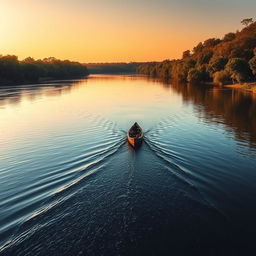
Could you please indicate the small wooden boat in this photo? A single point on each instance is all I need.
(135, 135)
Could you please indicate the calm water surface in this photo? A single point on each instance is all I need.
(71, 185)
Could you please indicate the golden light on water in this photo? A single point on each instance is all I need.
(52, 107)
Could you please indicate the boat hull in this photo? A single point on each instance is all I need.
(135, 135)
(135, 142)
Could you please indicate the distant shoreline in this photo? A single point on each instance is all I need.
(40, 81)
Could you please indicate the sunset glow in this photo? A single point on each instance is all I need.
(113, 31)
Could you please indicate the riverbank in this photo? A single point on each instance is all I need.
(39, 81)
(245, 86)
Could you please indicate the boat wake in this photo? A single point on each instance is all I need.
(60, 172)
(175, 157)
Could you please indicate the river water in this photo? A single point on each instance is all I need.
(71, 185)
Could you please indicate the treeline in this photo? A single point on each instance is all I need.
(222, 61)
(112, 68)
(29, 70)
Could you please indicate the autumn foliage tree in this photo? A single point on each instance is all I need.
(221, 77)
(231, 58)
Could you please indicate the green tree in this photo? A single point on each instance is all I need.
(217, 64)
(239, 69)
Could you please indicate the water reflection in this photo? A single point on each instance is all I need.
(13, 95)
(234, 108)
(64, 158)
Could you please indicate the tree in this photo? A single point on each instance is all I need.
(239, 69)
(221, 77)
(186, 54)
(194, 76)
(212, 56)
(190, 63)
(28, 60)
(198, 48)
(204, 57)
(211, 42)
(252, 64)
(9, 67)
(229, 37)
(30, 71)
(153, 72)
(217, 64)
(179, 70)
(247, 22)
(204, 77)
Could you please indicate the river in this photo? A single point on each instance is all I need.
(71, 185)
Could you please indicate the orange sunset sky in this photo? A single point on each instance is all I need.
(115, 30)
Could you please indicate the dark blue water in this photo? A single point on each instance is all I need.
(71, 185)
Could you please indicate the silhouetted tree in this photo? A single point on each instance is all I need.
(30, 70)
(198, 48)
(9, 68)
(28, 60)
(229, 37)
(211, 42)
(247, 22)
(186, 54)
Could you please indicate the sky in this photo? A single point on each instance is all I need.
(115, 30)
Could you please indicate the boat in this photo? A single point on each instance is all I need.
(135, 135)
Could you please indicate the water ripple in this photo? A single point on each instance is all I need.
(54, 179)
